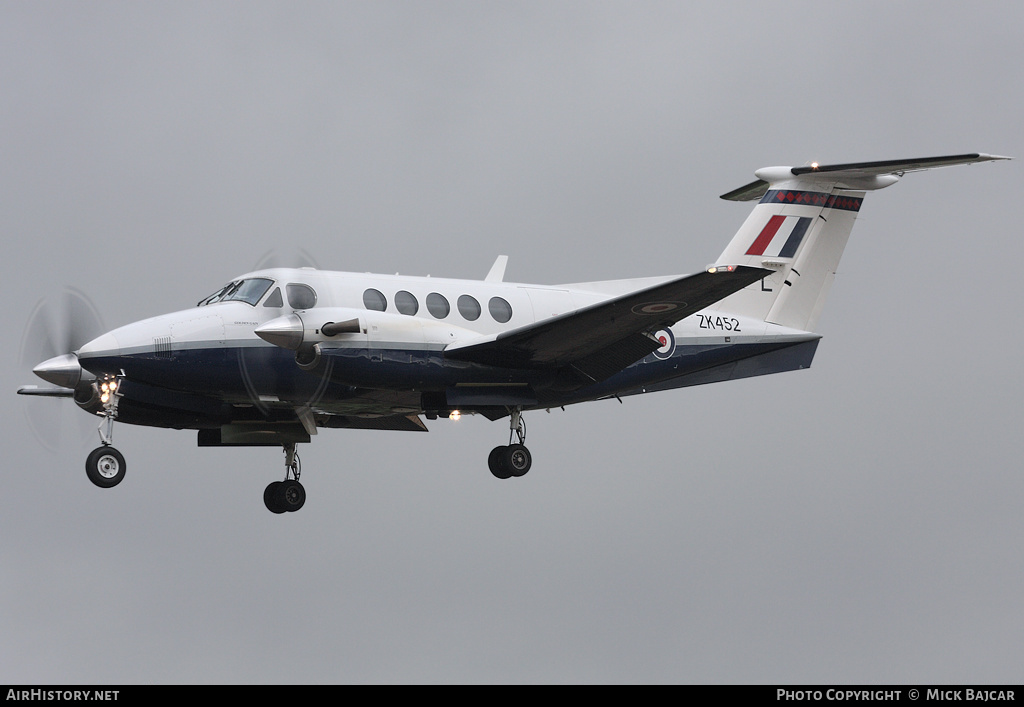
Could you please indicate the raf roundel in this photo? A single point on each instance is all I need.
(653, 308)
(668, 344)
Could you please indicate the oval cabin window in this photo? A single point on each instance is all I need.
(438, 305)
(469, 308)
(406, 302)
(499, 309)
(375, 300)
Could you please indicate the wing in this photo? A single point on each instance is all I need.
(600, 340)
(46, 392)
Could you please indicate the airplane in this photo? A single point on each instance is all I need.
(278, 354)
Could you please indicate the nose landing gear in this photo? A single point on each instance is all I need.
(288, 495)
(105, 466)
(514, 459)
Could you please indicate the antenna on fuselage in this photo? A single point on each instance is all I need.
(497, 272)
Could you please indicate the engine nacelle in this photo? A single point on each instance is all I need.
(297, 331)
(87, 397)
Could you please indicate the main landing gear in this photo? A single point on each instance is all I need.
(287, 495)
(513, 459)
(105, 466)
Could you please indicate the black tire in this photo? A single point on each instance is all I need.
(105, 467)
(272, 497)
(496, 463)
(292, 495)
(517, 459)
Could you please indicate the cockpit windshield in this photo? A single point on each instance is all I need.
(249, 291)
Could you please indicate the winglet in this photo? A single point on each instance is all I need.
(497, 272)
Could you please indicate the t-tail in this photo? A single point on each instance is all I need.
(799, 229)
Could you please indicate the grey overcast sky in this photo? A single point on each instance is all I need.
(859, 522)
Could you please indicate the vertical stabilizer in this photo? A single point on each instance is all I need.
(799, 228)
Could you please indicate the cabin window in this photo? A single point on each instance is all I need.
(375, 300)
(499, 309)
(406, 302)
(469, 308)
(438, 306)
(300, 296)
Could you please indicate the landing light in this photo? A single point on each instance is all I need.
(454, 415)
(106, 388)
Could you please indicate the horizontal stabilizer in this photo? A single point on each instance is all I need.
(748, 192)
(860, 173)
(899, 166)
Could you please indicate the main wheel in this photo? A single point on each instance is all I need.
(105, 467)
(292, 495)
(517, 459)
(272, 497)
(496, 463)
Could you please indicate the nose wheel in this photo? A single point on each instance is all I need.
(514, 459)
(288, 495)
(105, 467)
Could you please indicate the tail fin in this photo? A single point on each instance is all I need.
(799, 228)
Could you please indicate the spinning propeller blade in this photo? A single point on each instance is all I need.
(57, 328)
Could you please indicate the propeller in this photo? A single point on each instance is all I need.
(57, 327)
(276, 258)
(273, 258)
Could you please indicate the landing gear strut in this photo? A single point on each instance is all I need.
(513, 459)
(105, 466)
(287, 495)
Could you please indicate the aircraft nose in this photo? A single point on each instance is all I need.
(63, 370)
(102, 353)
(105, 345)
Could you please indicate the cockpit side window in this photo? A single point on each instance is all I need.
(275, 299)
